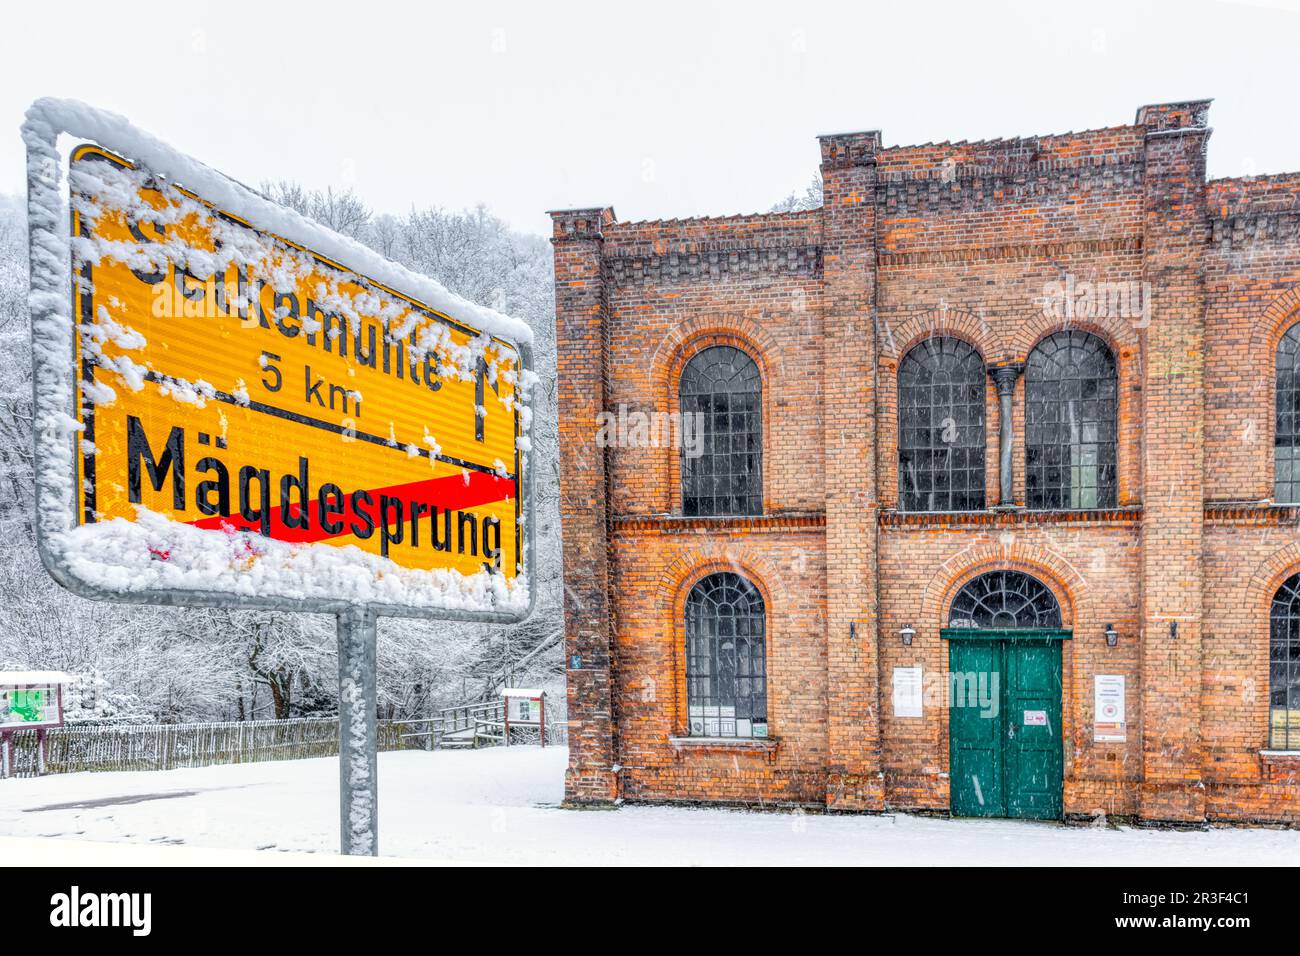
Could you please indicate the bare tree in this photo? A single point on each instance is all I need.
(340, 210)
(810, 198)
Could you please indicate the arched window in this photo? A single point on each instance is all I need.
(1286, 436)
(1005, 599)
(1070, 423)
(726, 661)
(941, 427)
(1284, 667)
(722, 430)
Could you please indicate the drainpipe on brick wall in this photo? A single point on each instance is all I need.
(1004, 377)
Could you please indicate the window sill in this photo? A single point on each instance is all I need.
(725, 744)
(1279, 766)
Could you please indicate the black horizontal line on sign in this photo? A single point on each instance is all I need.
(271, 410)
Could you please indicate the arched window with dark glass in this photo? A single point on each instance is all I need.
(1005, 599)
(722, 429)
(1286, 434)
(1070, 423)
(941, 385)
(1284, 667)
(726, 658)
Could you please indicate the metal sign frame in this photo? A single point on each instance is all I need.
(54, 322)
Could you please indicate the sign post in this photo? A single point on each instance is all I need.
(237, 407)
(358, 741)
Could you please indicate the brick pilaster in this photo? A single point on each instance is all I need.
(848, 169)
(581, 366)
(1173, 397)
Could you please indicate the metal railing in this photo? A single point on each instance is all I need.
(451, 721)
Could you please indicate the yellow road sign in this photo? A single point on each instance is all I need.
(236, 382)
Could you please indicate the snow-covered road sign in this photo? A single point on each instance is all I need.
(242, 403)
(234, 405)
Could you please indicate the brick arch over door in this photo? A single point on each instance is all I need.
(675, 584)
(678, 347)
(1280, 314)
(894, 344)
(1055, 572)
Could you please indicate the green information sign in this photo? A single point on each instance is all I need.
(22, 707)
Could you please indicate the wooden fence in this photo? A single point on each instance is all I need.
(168, 746)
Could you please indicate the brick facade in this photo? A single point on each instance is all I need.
(962, 240)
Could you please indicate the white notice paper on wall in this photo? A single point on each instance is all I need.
(1109, 725)
(907, 692)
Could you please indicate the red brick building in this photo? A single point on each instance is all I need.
(990, 505)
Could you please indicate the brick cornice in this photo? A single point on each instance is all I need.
(746, 524)
(1257, 514)
(1248, 513)
(1174, 117)
(1236, 229)
(1028, 250)
(1014, 165)
(996, 518)
(713, 259)
(983, 185)
(570, 225)
(842, 150)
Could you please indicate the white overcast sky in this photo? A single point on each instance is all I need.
(657, 108)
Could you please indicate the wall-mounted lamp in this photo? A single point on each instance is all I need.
(1173, 630)
(907, 632)
(1112, 635)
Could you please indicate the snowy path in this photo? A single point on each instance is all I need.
(499, 806)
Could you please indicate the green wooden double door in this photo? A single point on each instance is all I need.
(1006, 756)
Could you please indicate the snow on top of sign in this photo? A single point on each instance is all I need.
(531, 692)
(154, 553)
(31, 678)
(50, 115)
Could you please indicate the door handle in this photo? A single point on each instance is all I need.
(1011, 731)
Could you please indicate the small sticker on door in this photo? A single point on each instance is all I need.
(1035, 718)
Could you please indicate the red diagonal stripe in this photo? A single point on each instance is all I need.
(451, 493)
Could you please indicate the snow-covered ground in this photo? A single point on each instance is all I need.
(500, 806)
